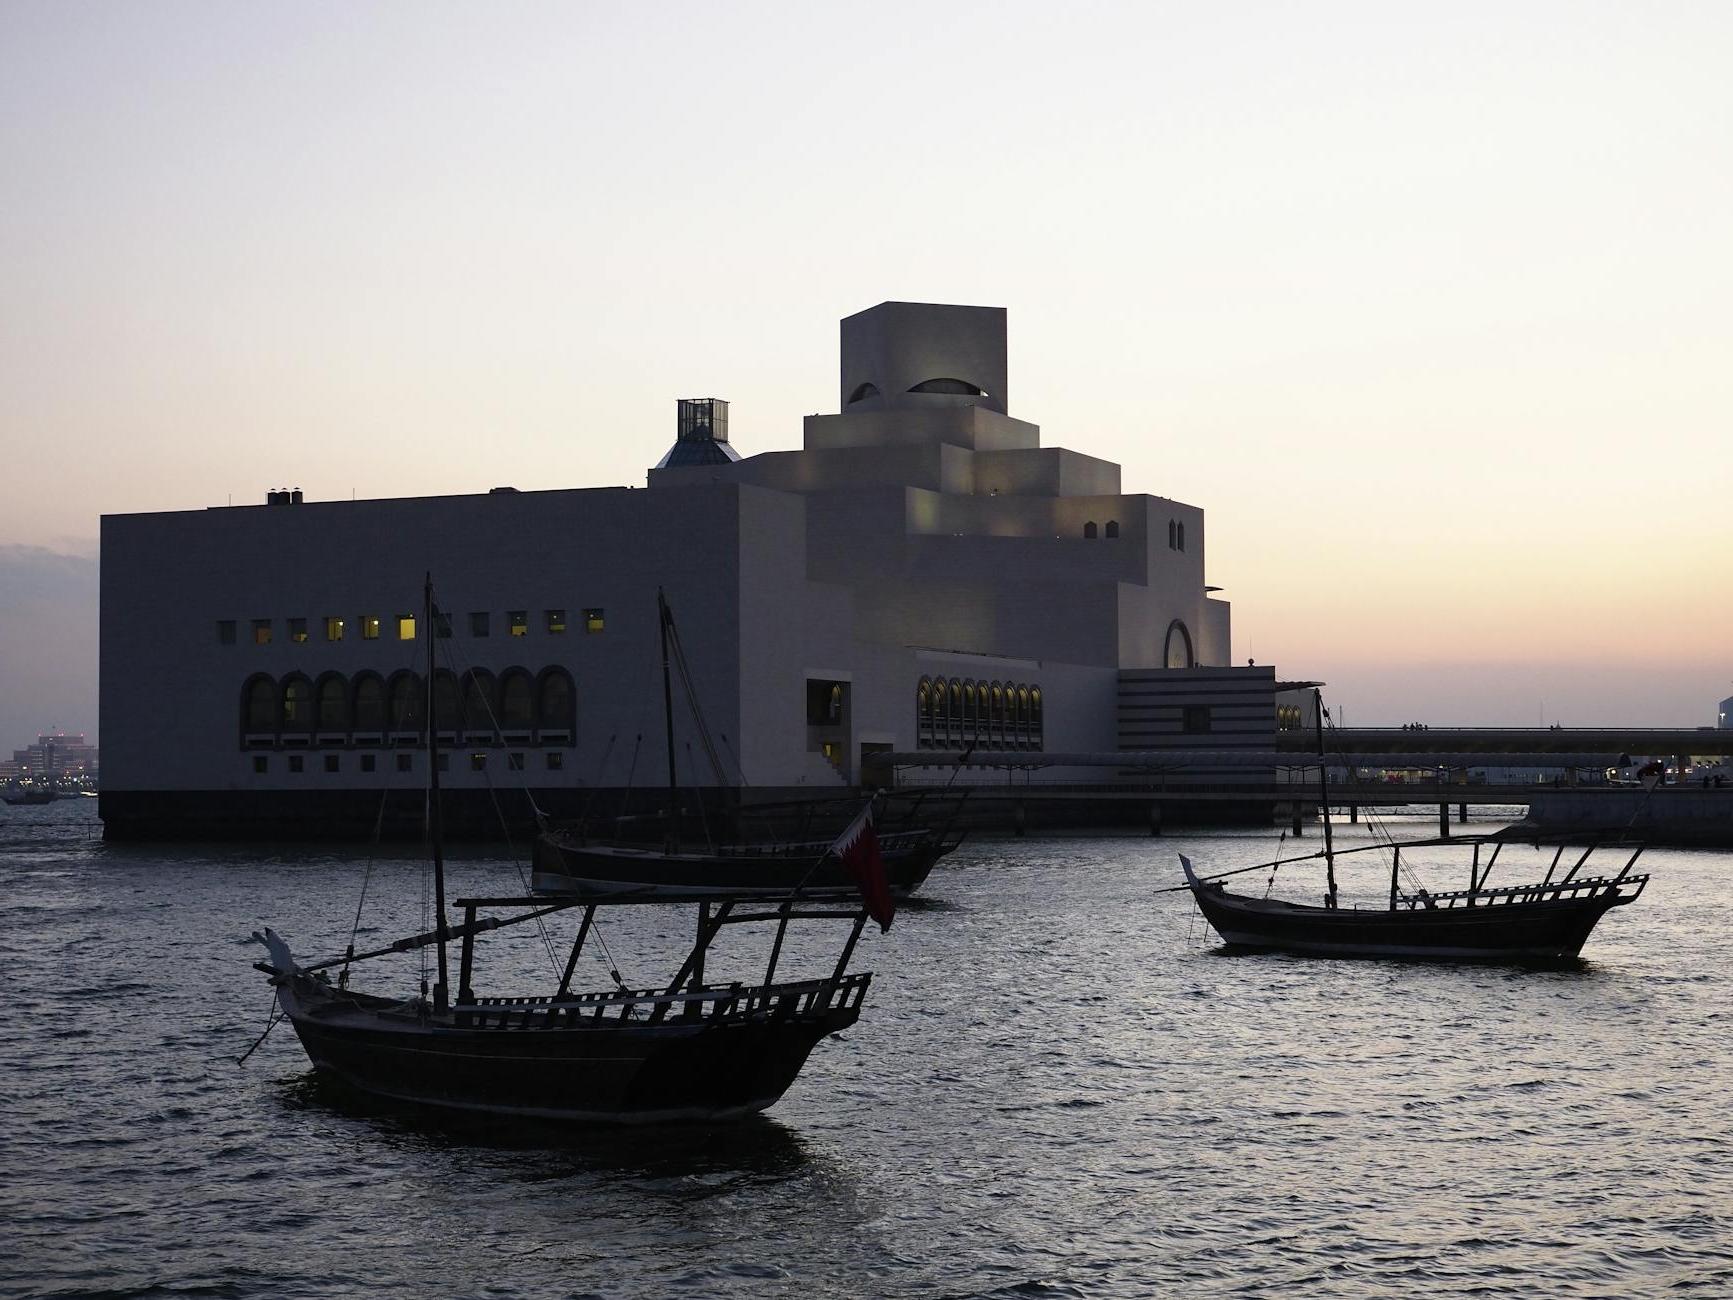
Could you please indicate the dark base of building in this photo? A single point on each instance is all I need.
(482, 815)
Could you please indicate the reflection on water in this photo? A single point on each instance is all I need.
(1060, 1087)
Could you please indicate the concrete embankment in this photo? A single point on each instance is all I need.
(1670, 815)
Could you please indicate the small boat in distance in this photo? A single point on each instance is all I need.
(1545, 921)
(688, 1049)
(568, 862)
(28, 796)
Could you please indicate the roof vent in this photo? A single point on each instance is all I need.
(283, 497)
(701, 435)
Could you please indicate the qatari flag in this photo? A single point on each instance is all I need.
(858, 847)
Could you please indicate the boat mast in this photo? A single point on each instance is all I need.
(435, 821)
(663, 618)
(1324, 805)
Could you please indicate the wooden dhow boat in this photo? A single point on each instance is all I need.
(1548, 920)
(568, 860)
(688, 1049)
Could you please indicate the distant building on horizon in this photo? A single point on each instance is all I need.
(922, 574)
(1724, 716)
(55, 755)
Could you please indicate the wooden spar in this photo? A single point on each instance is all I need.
(577, 947)
(1553, 866)
(415, 941)
(695, 959)
(1627, 867)
(1577, 865)
(436, 825)
(848, 948)
(467, 962)
(663, 618)
(1474, 869)
(1324, 804)
(1395, 871)
(699, 944)
(776, 947)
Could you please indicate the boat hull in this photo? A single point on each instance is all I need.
(616, 1072)
(564, 866)
(1540, 930)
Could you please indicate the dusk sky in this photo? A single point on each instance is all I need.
(1430, 308)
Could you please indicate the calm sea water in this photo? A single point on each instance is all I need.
(1060, 1087)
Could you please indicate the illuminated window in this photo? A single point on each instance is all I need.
(518, 622)
(593, 621)
(296, 763)
(370, 627)
(333, 627)
(297, 630)
(406, 627)
(225, 631)
(556, 760)
(261, 631)
(478, 623)
(515, 762)
(297, 704)
(478, 762)
(556, 621)
(332, 763)
(261, 763)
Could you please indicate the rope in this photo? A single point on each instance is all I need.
(273, 1020)
(367, 876)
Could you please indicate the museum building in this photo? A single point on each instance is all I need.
(922, 575)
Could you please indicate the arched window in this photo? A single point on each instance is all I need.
(941, 711)
(369, 697)
(1172, 533)
(862, 392)
(447, 703)
(332, 695)
(996, 713)
(259, 704)
(970, 717)
(517, 699)
(1023, 715)
(557, 701)
(924, 713)
(956, 694)
(480, 700)
(983, 711)
(1181, 528)
(1112, 529)
(1089, 529)
(406, 702)
(297, 703)
(1177, 653)
(1035, 722)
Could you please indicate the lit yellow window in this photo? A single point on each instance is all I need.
(370, 627)
(333, 628)
(297, 630)
(593, 621)
(556, 620)
(519, 622)
(261, 631)
(406, 627)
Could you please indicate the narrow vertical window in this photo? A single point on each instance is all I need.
(1181, 545)
(332, 763)
(406, 762)
(261, 763)
(367, 762)
(406, 627)
(1089, 529)
(225, 631)
(518, 622)
(1112, 528)
(556, 760)
(298, 630)
(593, 620)
(370, 627)
(261, 631)
(478, 623)
(296, 762)
(556, 621)
(333, 627)
(477, 762)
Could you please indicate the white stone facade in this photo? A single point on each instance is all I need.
(921, 535)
